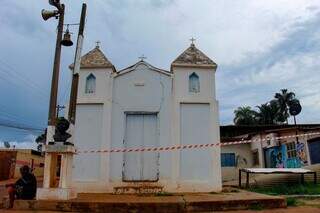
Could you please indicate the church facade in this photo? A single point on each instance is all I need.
(142, 106)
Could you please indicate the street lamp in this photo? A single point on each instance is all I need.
(58, 14)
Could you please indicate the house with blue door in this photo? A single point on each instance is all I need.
(267, 151)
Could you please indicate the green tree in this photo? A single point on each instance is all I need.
(245, 116)
(284, 98)
(269, 113)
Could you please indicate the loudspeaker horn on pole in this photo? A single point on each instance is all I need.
(46, 14)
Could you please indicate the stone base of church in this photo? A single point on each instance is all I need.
(164, 186)
(56, 193)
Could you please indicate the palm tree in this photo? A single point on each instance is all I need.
(269, 113)
(284, 99)
(245, 116)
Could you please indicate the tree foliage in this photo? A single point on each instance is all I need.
(284, 98)
(276, 111)
(245, 116)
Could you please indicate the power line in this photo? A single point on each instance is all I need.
(26, 82)
(13, 118)
(41, 96)
(23, 77)
(3, 123)
(12, 77)
(11, 122)
(4, 110)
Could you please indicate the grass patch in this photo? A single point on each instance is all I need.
(159, 194)
(292, 201)
(230, 190)
(286, 189)
(213, 193)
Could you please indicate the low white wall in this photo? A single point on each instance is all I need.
(243, 155)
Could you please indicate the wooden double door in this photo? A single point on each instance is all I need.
(141, 132)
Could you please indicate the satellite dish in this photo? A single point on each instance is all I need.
(6, 144)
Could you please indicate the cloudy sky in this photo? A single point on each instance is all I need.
(260, 47)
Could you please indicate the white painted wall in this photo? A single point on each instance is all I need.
(154, 96)
(195, 126)
(181, 95)
(103, 80)
(101, 122)
(257, 145)
(88, 131)
(241, 151)
(207, 84)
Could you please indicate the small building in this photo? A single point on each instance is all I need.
(143, 106)
(12, 159)
(265, 150)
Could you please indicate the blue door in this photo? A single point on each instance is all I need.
(314, 150)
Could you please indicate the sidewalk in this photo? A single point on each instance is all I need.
(187, 202)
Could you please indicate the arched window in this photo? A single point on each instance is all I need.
(90, 84)
(194, 83)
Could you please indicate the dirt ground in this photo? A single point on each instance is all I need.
(302, 209)
(308, 206)
(288, 210)
(304, 205)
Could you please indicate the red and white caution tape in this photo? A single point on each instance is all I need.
(191, 146)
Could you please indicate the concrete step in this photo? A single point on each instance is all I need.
(175, 203)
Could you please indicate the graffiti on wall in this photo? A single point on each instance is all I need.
(291, 155)
(274, 157)
(301, 153)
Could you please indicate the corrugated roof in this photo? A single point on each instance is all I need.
(193, 57)
(94, 59)
(244, 131)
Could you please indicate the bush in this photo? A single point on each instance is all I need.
(292, 201)
(286, 189)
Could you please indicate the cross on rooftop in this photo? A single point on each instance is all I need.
(142, 57)
(192, 40)
(98, 43)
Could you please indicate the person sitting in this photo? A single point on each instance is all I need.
(24, 188)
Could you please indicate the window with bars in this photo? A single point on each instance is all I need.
(291, 150)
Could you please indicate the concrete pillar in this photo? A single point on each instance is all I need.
(66, 170)
(50, 190)
(49, 174)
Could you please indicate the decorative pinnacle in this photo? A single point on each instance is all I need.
(192, 41)
(98, 44)
(142, 57)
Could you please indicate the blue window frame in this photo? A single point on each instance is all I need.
(228, 160)
(90, 84)
(194, 83)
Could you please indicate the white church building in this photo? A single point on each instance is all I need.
(143, 106)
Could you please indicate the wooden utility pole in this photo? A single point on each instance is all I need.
(76, 68)
(56, 70)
